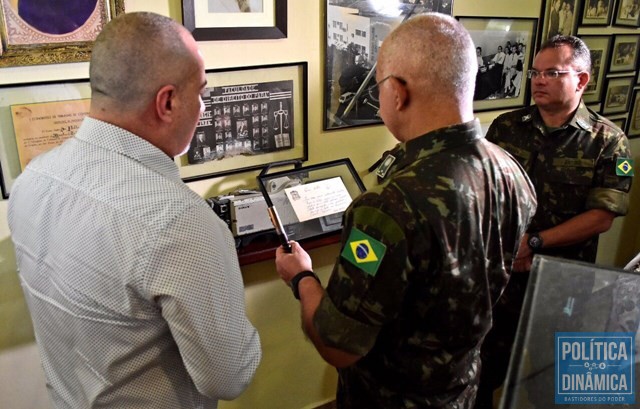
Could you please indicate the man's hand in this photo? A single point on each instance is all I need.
(290, 264)
(524, 256)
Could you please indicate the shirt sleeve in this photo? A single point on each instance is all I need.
(195, 278)
(362, 298)
(611, 188)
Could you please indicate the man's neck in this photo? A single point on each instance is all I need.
(556, 118)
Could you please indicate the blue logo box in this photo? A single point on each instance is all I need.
(594, 368)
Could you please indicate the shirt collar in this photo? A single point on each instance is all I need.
(123, 142)
(581, 118)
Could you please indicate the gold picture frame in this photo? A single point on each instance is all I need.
(24, 42)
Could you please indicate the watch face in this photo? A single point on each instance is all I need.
(535, 242)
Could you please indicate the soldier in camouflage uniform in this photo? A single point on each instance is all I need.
(581, 167)
(424, 254)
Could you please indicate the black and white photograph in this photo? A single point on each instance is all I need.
(617, 96)
(253, 116)
(633, 126)
(504, 53)
(354, 32)
(624, 56)
(235, 6)
(560, 18)
(599, 46)
(627, 13)
(596, 12)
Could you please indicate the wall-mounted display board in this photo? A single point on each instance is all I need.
(253, 116)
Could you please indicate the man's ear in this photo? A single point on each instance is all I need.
(401, 93)
(165, 102)
(583, 80)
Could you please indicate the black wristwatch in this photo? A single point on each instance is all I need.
(535, 241)
(296, 280)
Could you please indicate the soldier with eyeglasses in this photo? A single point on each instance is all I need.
(575, 159)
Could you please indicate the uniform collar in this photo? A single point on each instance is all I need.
(581, 118)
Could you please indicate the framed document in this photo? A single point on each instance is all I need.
(253, 116)
(36, 117)
(599, 46)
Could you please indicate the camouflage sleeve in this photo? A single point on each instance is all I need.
(370, 277)
(611, 187)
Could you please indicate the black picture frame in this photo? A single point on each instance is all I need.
(269, 99)
(596, 12)
(633, 123)
(600, 48)
(45, 95)
(624, 53)
(551, 19)
(627, 13)
(271, 23)
(617, 95)
(352, 40)
(497, 86)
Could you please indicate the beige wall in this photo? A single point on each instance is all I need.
(291, 374)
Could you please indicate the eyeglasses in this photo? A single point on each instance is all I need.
(377, 84)
(550, 74)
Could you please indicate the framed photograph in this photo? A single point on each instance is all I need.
(599, 46)
(253, 116)
(627, 13)
(620, 121)
(596, 12)
(36, 117)
(559, 17)
(624, 56)
(633, 125)
(354, 33)
(31, 34)
(504, 49)
(617, 95)
(235, 19)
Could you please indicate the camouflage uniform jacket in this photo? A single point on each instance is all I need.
(573, 168)
(423, 259)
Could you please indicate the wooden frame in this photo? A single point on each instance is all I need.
(553, 23)
(254, 116)
(23, 44)
(352, 40)
(268, 23)
(498, 87)
(627, 14)
(600, 47)
(633, 124)
(52, 111)
(624, 53)
(617, 95)
(596, 12)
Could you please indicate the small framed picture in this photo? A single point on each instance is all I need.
(627, 13)
(618, 94)
(596, 12)
(624, 55)
(560, 17)
(633, 125)
(620, 121)
(599, 46)
(504, 50)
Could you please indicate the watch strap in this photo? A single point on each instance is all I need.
(295, 281)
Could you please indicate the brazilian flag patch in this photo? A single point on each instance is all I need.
(364, 252)
(624, 167)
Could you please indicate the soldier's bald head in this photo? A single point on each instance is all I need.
(434, 52)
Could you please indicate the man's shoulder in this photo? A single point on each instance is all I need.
(515, 117)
